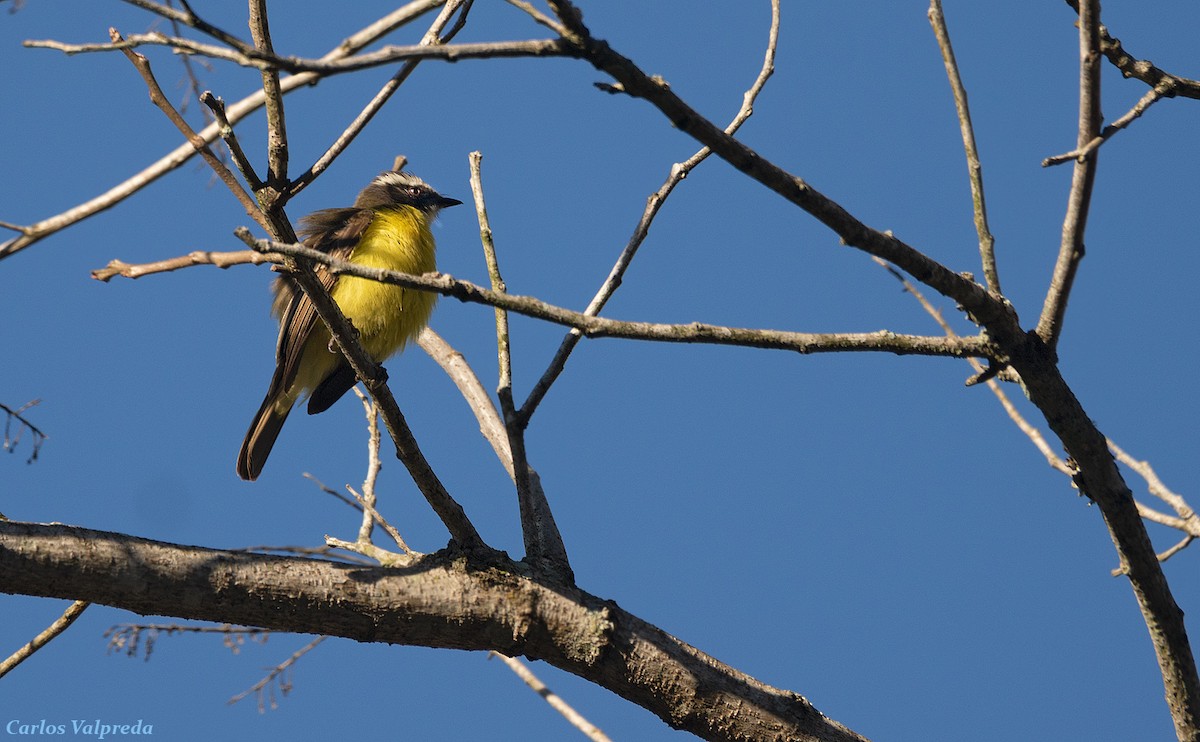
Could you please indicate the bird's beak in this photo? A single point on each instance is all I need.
(444, 201)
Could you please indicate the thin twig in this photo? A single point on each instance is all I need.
(217, 106)
(544, 548)
(540, 17)
(189, 18)
(277, 144)
(1151, 97)
(1162, 556)
(987, 243)
(132, 637)
(284, 686)
(183, 46)
(332, 492)
(194, 88)
(391, 530)
(33, 233)
(379, 555)
(199, 257)
(431, 38)
(325, 551)
(385, 56)
(591, 731)
(201, 146)
(654, 203)
(45, 637)
(1154, 485)
(12, 439)
(696, 332)
(373, 466)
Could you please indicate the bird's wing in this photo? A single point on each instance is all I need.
(332, 231)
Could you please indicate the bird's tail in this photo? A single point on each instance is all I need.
(260, 439)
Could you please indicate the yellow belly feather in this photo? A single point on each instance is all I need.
(386, 316)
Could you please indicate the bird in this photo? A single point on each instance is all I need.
(387, 227)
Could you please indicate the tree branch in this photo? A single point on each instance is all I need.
(544, 548)
(277, 144)
(431, 38)
(33, 233)
(419, 605)
(1070, 252)
(1030, 355)
(61, 624)
(1150, 98)
(654, 203)
(1142, 69)
(987, 243)
(696, 332)
(374, 379)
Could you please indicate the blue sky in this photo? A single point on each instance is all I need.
(861, 529)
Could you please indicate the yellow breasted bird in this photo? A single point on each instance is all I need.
(388, 227)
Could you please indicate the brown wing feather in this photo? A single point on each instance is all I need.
(332, 231)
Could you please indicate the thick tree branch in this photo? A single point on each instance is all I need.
(423, 605)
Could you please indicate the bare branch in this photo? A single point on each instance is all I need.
(460, 372)
(557, 703)
(374, 379)
(385, 56)
(367, 499)
(1142, 69)
(187, 47)
(882, 341)
(198, 257)
(260, 689)
(188, 18)
(325, 551)
(1150, 98)
(431, 39)
(277, 145)
(33, 233)
(509, 612)
(131, 638)
(1070, 252)
(1031, 431)
(654, 203)
(217, 107)
(540, 17)
(61, 624)
(544, 548)
(333, 493)
(11, 439)
(987, 243)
